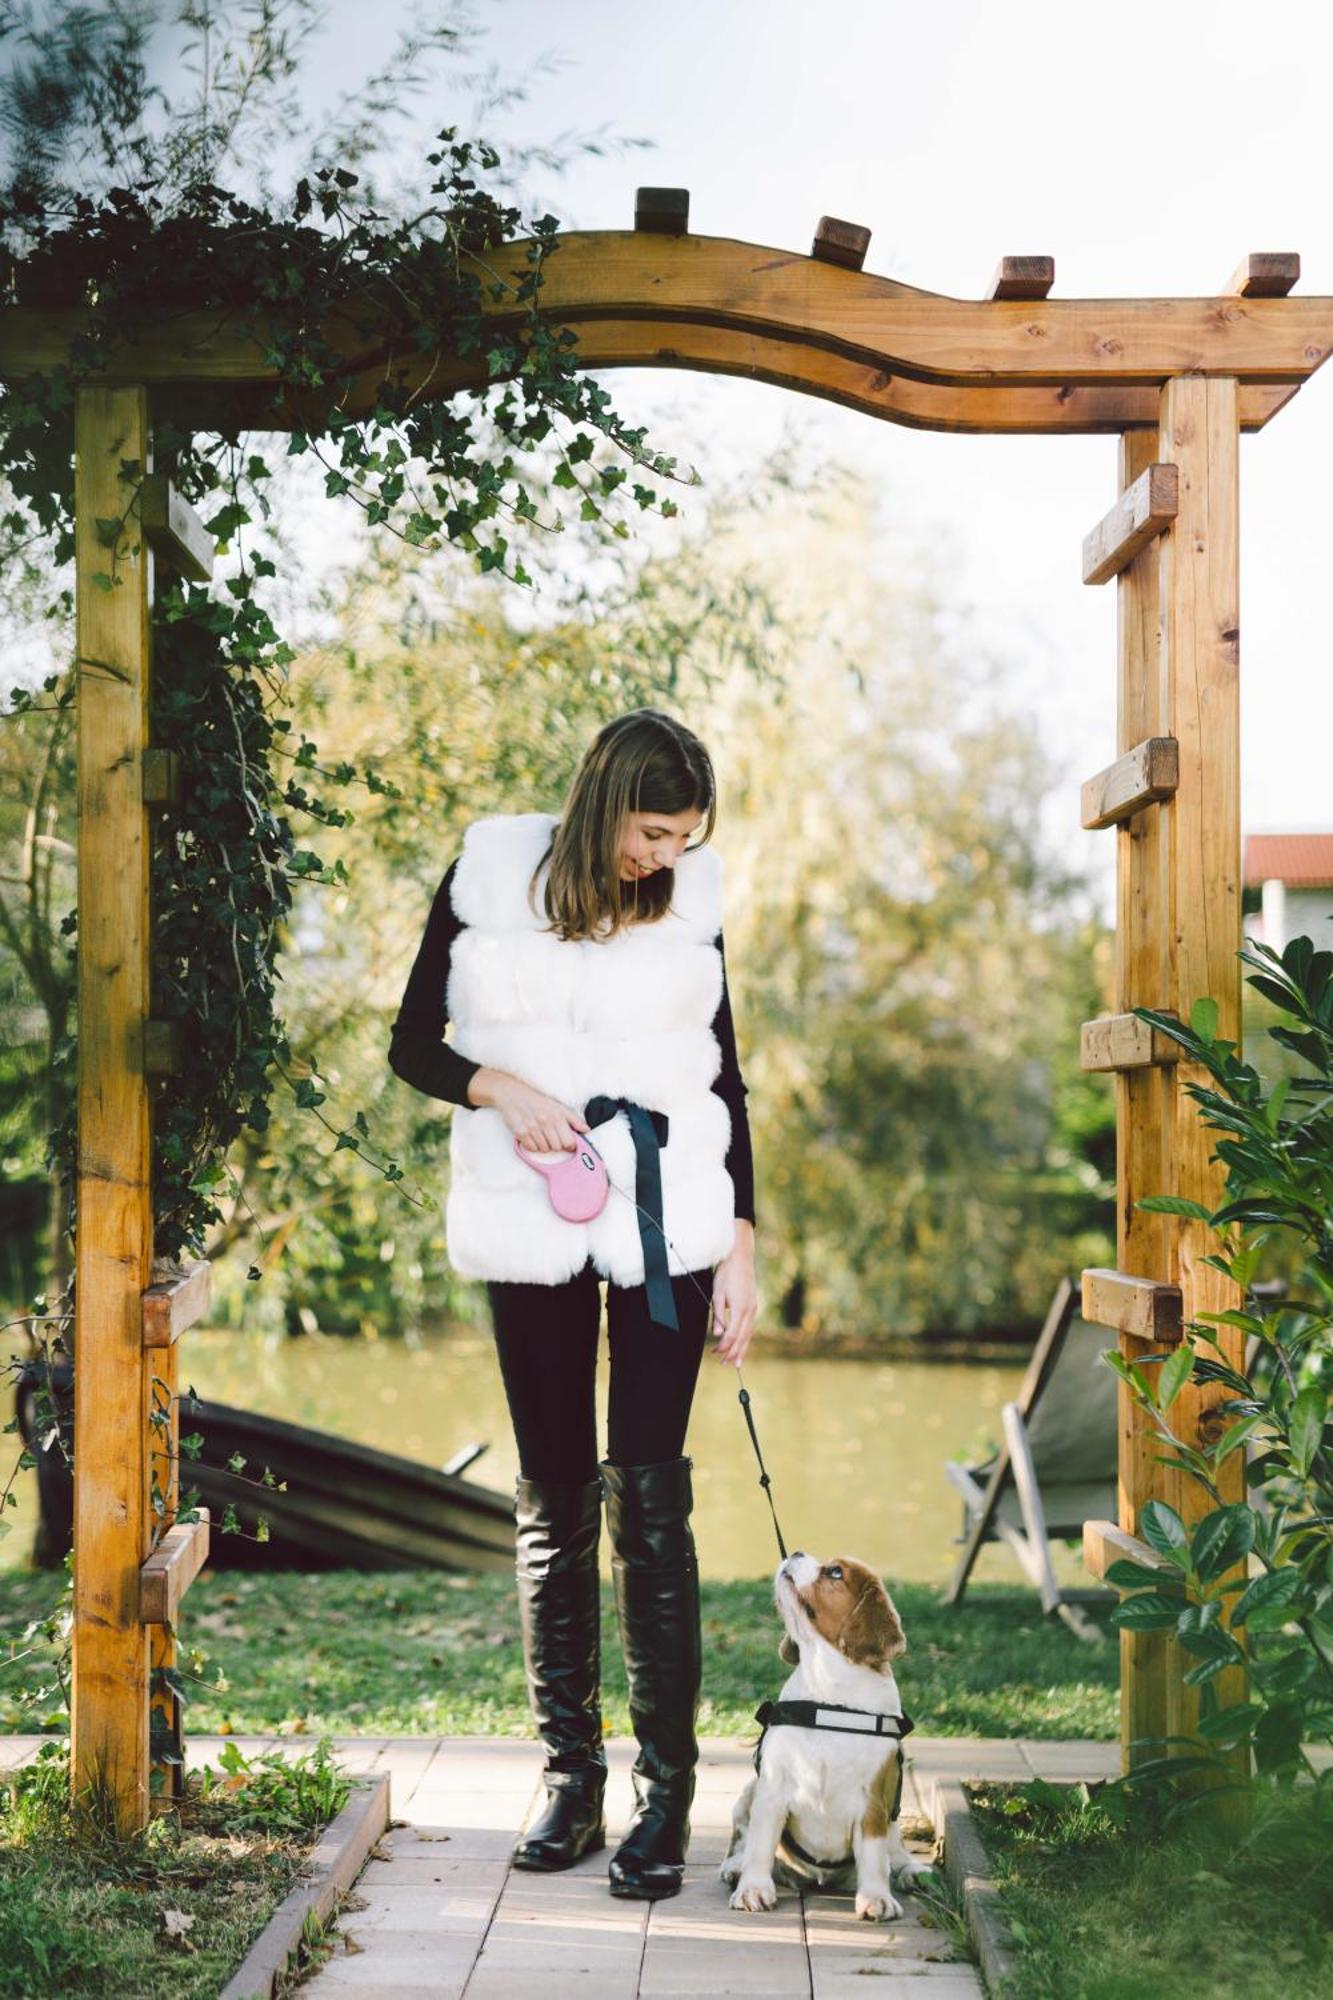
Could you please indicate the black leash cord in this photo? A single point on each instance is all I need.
(764, 1479)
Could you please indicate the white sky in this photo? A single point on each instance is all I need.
(1147, 147)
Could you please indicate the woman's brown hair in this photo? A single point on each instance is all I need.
(641, 762)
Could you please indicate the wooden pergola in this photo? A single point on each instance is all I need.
(1175, 380)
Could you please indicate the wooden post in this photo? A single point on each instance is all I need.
(114, 1224)
(1200, 673)
(1142, 1095)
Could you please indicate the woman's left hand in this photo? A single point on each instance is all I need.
(735, 1297)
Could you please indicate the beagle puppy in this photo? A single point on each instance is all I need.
(821, 1809)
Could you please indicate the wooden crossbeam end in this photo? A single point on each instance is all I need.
(838, 242)
(161, 777)
(175, 1302)
(1265, 274)
(1022, 278)
(171, 1569)
(1123, 1041)
(1141, 512)
(662, 211)
(174, 530)
(1104, 1544)
(1145, 774)
(1143, 1308)
(162, 1048)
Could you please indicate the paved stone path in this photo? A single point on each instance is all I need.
(438, 1914)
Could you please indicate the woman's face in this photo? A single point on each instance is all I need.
(655, 840)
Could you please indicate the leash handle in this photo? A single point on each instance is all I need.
(764, 1479)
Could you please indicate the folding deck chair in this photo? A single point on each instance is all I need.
(1056, 1467)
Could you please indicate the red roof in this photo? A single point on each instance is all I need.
(1301, 860)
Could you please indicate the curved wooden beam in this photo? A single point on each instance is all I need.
(644, 299)
(715, 281)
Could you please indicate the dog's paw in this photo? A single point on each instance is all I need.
(877, 1906)
(730, 1871)
(906, 1874)
(758, 1893)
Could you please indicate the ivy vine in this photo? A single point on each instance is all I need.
(322, 289)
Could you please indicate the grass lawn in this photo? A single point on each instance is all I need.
(1102, 1911)
(428, 1653)
(170, 1912)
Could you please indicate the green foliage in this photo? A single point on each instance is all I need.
(1111, 1893)
(1277, 1144)
(169, 1910)
(420, 1653)
(317, 280)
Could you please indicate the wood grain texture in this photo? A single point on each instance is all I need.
(1266, 274)
(702, 280)
(1104, 1544)
(1200, 664)
(1142, 1099)
(1021, 278)
(838, 242)
(179, 538)
(171, 1569)
(112, 1520)
(172, 1304)
(1144, 775)
(1141, 512)
(1123, 1041)
(1140, 1308)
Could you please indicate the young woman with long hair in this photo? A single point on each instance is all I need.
(580, 958)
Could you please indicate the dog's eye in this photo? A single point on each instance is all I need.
(834, 1570)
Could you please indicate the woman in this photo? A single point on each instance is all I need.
(581, 961)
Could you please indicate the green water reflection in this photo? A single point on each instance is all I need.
(856, 1449)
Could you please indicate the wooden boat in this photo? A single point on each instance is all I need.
(332, 1504)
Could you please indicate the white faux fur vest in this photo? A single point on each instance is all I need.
(629, 1016)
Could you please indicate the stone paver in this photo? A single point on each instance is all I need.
(438, 1912)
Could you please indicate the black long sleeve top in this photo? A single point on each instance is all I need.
(419, 1054)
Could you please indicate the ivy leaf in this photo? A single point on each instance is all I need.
(1309, 1413)
(1163, 1530)
(1175, 1374)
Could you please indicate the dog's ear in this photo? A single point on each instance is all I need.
(788, 1651)
(873, 1634)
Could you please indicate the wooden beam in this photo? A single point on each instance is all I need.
(163, 1048)
(837, 242)
(1104, 1544)
(1141, 512)
(1147, 773)
(1200, 668)
(1143, 1110)
(649, 273)
(662, 211)
(113, 1245)
(174, 530)
(1022, 278)
(174, 1303)
(161, 777)
(1141, 1308)
(1265, 274)
(170, 1570)
(1123, 1041)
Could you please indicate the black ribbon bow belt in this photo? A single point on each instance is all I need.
(648, 1129)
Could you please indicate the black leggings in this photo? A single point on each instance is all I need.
(546, 1339)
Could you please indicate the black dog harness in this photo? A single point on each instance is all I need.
(848, 1722)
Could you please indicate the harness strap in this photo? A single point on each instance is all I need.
(834, 1715)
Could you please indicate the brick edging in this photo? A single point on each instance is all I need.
(330, 1870)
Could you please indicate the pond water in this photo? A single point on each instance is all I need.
(856, 1449)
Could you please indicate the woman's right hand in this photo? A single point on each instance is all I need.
(540, 1123)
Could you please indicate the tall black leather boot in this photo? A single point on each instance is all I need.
(558, 1527)
(656, 1573)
